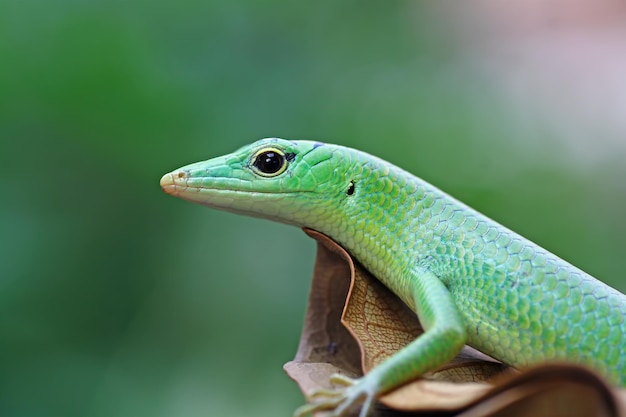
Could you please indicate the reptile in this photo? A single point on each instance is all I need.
(469, 279)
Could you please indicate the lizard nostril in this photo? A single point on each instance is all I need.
(181, 174)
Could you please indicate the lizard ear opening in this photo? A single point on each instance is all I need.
(350, 189)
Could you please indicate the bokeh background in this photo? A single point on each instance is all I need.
(117, 300)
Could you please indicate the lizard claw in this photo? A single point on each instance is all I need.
(341, 400)
(340, 379)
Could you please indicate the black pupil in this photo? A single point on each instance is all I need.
(269, 162)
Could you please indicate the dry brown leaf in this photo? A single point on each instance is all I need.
(353, 322)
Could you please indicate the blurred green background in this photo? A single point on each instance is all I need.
(117, 300)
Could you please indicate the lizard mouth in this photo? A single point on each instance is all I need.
(225, 196)
(181, 184)
(169, 182)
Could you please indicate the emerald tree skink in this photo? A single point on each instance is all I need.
(469, 279)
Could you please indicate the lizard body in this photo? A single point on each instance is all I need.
(469, 279)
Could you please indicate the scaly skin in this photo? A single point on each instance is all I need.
(469, 279)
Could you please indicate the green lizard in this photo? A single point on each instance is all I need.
(469, 279)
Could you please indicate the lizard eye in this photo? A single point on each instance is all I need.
(269, 162)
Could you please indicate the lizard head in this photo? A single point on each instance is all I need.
(296, 182)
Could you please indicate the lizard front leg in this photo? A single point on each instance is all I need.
(442, 340)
